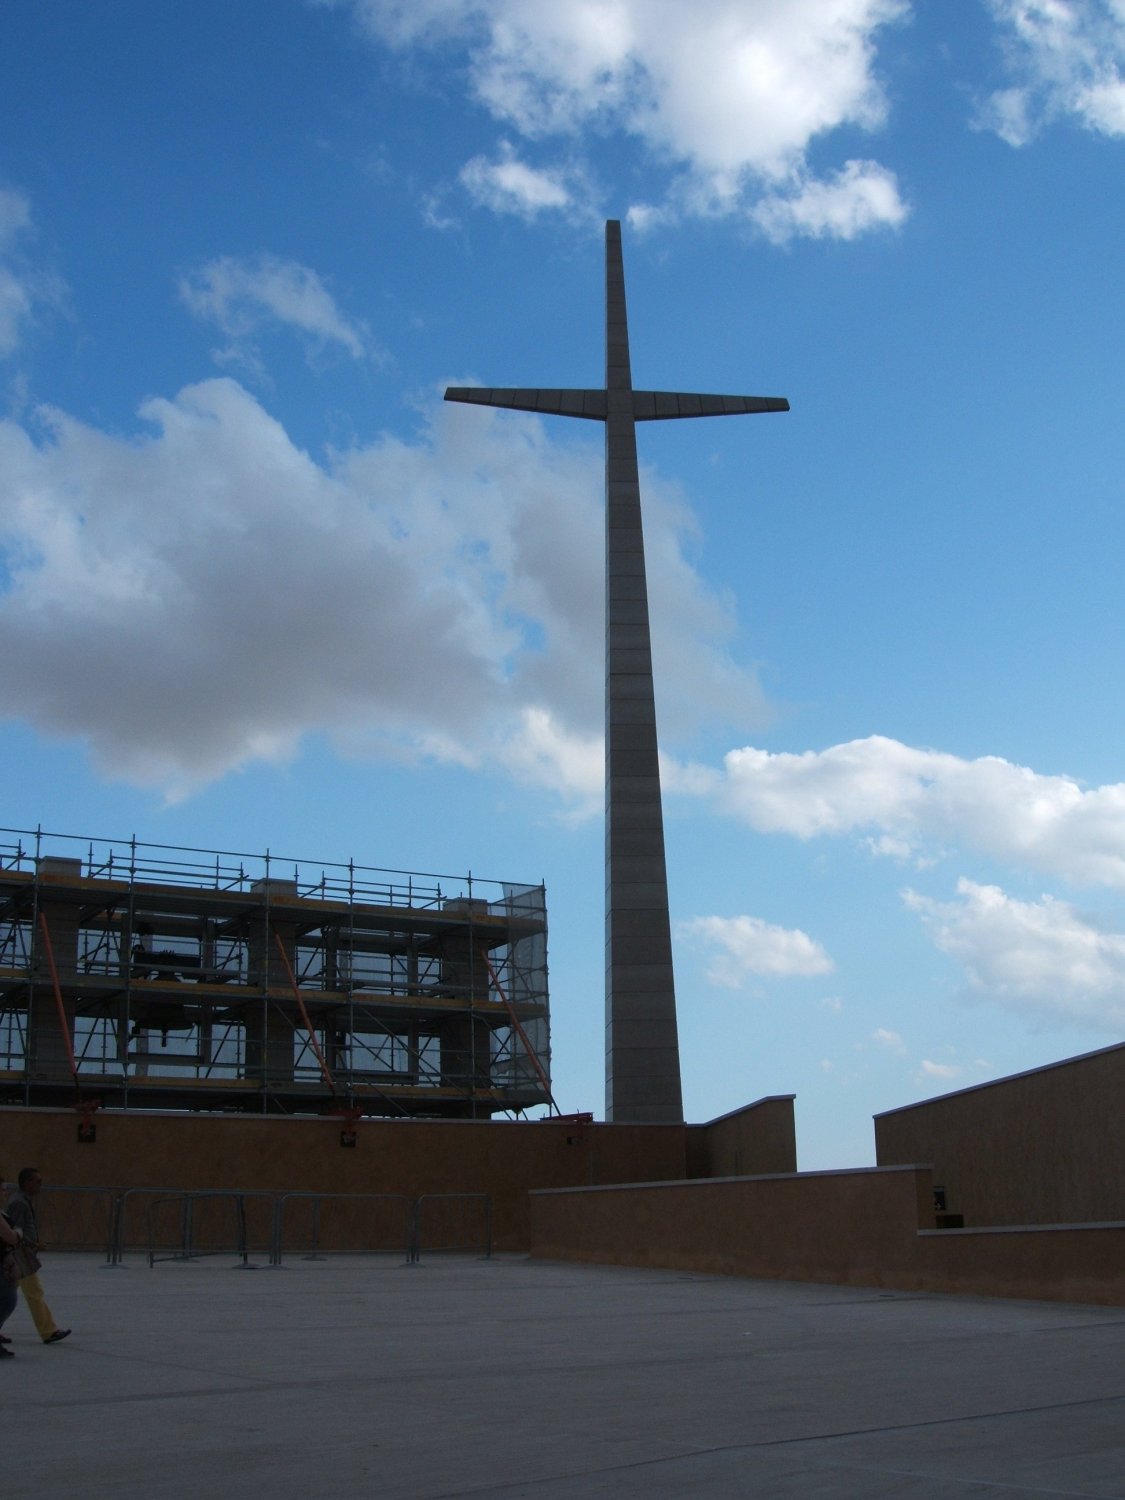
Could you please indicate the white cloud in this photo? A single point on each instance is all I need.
(725, 97)
(206, 594)
(22, 286)
(744, 946)
(243, 297)
(861, 197)
(15, 294)
(508, 185)
(1041, 958)
(891, 1040)
(15, 216)
(912, 800)
(944, 1071)
(1067, 60)
(542, 750)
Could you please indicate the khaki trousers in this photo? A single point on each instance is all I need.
(32, 1291)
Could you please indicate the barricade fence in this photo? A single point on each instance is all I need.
(453, 1222)
(314, 1225)
(77, 1218)
(189, 1226)
(174, 1224)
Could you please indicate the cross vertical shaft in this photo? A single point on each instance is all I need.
(642, 1053)
(641, 1044)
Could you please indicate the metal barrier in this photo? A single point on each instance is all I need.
(448, 1221)
(121, 1205)
(77, 1227)
(434, 1222)
(190, 1246)
(404, 1237)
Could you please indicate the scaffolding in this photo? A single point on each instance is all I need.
(140, 975)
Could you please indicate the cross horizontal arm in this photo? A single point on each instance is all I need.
(655, 406)
(589, 404)
(648, 406)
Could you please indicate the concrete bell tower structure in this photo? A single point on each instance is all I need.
(642, 1044)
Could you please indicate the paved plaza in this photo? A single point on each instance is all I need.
(511, 1377)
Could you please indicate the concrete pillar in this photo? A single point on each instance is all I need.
(466, 1057)
(269, 1029)
(47, 1052)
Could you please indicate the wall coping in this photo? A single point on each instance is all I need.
(983, 1229)
(743, 1109)
(994, 1083)
(710, 1182)
(118, 1113)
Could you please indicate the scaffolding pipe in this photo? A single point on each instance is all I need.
(528, 1048)
(304, 1014)
(68, 1040)
(421, 1016)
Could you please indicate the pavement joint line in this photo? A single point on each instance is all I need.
(812, 1439)
(1081, 1327)
(1022, 1487)
(933, 1422)
(142, 1397)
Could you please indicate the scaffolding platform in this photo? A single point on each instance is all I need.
(146, 976)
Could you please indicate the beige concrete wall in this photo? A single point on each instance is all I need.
(749, 1142)
(857, 1228)
(1044, 1147)
(863, 1228)
(275, 1154)
(1047, 1262)
(412, 1157)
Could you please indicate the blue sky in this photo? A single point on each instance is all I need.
(260, 587)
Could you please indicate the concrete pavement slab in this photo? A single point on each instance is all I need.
(512, 1377)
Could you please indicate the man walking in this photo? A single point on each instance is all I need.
(20, 1213)
(10, 1239)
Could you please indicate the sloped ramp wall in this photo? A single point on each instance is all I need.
(1042, 1147)
(871, 1227)
(756, 1139)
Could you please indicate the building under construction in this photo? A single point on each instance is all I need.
(142, 976)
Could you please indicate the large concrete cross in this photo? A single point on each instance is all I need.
(642, 1078)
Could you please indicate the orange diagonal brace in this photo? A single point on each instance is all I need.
(522, 1034)
(304, 1013)
(68, 1040)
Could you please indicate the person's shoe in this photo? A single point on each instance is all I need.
(4, 1339)
(58, 1335)
(6, 1353)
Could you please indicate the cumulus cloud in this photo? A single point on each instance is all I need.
(725, 98)
(741, 947)
(244, 297)
(909, 801)
(1066, 59)
(544, 751)
(861, 197)
(945, 1071)
(506, 184)
(22, 285)
(1041, 958)
(891, 1040)
(205, 594)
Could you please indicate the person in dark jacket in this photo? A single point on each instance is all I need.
(20, 1211)
(9, 1239)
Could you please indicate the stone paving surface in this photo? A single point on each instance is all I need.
(511, 1377)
